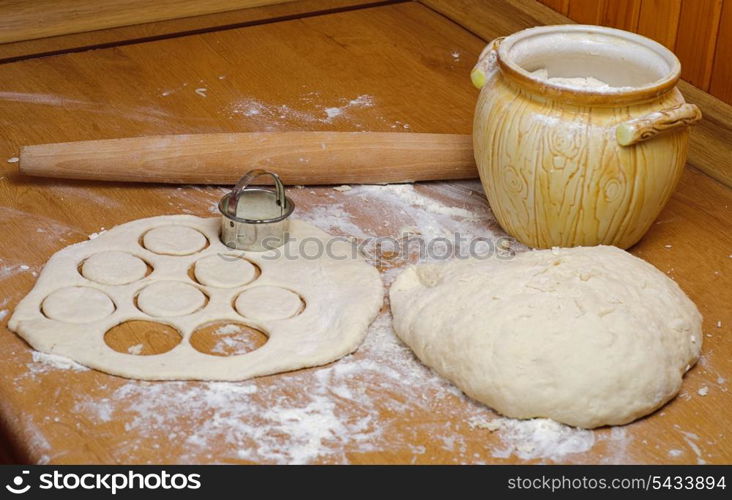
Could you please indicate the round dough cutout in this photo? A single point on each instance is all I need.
(77, 304)
(170, 298)
(174, 240)
(227, 338)
(265, 303)
(224, 271)
(142, 338)
(114, 268)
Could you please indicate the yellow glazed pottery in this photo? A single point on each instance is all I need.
(566, 165)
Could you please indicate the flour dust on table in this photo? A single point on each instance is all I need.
(174, 271)
(378, 402)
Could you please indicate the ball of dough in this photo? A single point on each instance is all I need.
(585, 336)
(77, 304)
(265, 303)
(170, 298)
(114, 268)
(174, 240)
(224, 271)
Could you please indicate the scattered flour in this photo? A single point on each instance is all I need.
(136, 349)
(271, 115)
(9, 270)
(333, 218)
(536, 438)
(353, 407)
(408, 193)
(229, 343)
(202, 91)
(349, 410)
(96, 234)
(333, 112)
(14, 159)
(703, 391)
(675, 453)
(343, 188)
(43, 362)
(228, 329)
(138, 113)
(400, 124)
(691, 440)
(3, 314)
(233, 346)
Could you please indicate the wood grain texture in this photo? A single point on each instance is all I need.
(379, 52)
(699, 31)
(659, 20)
(508, 15)
(621, 14)
(144, 338)
(710, 138)
(558, 5)
(24, 20)
(721, 83)
(697, 39)
(330, 158)
(586, 11)
(210, 340)
(160, 29)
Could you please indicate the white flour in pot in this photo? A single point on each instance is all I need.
(583, 82)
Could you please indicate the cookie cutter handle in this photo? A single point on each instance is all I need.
(245, 181)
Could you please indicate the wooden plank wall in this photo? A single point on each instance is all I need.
(698, 31)
(28, 20)
(141, 30)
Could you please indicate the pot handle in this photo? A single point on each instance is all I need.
(639, 129)
(486, 63)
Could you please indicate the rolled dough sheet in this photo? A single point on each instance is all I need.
(313, 310)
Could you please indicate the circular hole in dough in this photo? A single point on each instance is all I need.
(226, 338)
(170, 298)
(77, 304)
(265, 303)
(174, 240)
(142, 338)
(224, 271)
(114, 268)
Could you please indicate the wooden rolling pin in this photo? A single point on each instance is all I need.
(298, 157)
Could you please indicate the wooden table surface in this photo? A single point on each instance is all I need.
(398, 67)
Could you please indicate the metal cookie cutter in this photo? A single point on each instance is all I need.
(254, 218)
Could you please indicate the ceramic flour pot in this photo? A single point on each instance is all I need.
(566, 164)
